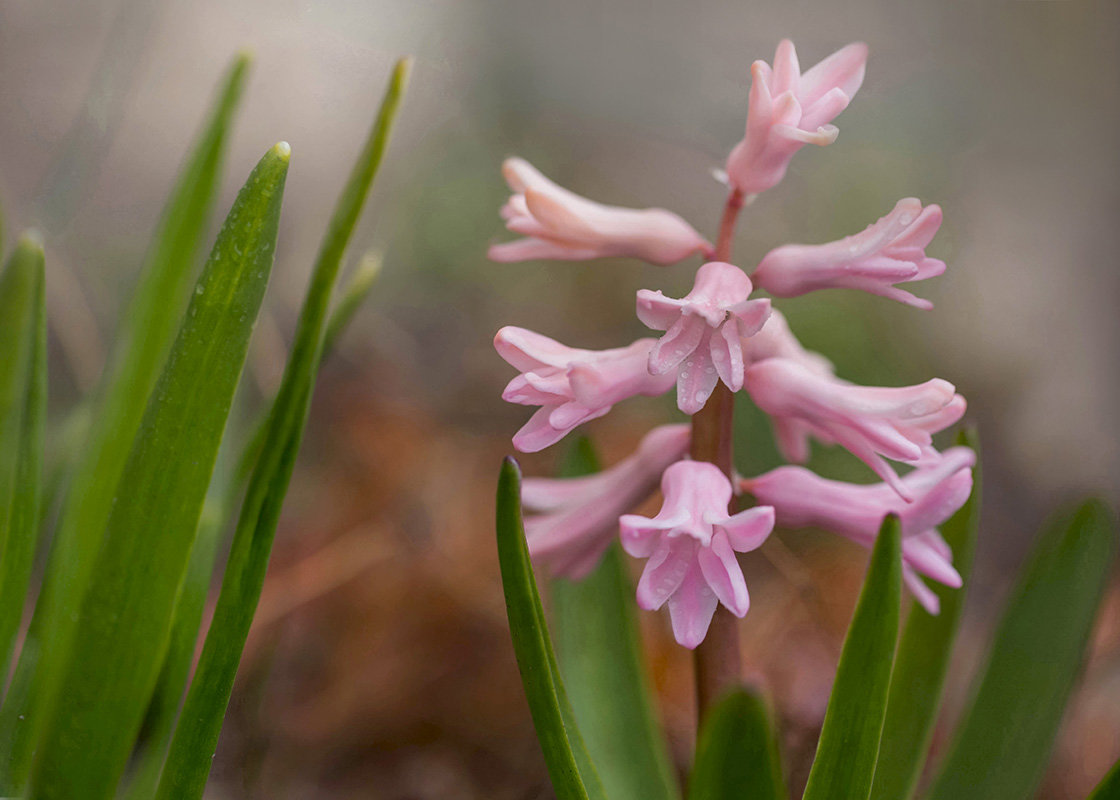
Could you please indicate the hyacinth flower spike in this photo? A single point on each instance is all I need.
(890, 251)
(873, 423)
(579, 516)
(559, 224)
(691, 546)
(788, 110)
(801, 499)
(570, 385)
(704, 332)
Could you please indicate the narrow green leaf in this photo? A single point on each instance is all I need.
(353, 294)
(124, 621)
(923, 660)
(565, 754)
(853, 724)
(147, 331)
(1003, 742)
(737, 753)
(23, 396)
(1109, 787)
(196, 736)
(598, 648)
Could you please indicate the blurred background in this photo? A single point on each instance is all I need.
(380, 665)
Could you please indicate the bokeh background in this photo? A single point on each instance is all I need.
(380, 665)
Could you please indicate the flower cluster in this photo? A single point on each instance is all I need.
(722, 333)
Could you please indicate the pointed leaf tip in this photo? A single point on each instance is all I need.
(282, 150)
(403, 69)
(31, 239)
(848, 748)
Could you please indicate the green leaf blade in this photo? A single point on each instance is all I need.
(922, 661)
(196, 736)
(737, 753)
(599, 652)
(569, 765)
(848, 749)
(123, 627)
(23, 376)
(149, 327)
(1003, 742)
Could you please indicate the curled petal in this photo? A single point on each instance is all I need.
(889, 252)
(722, 572)
(873, 423)
(691, 608)
(562, 225)
(691, 546)
(665, 571)
(571, 386)
(582, 514)
(788, 109)
(705, 331)
(800, 499)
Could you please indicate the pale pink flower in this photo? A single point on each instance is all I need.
(788, 110)
(873, 423)
(691, 546)
(562, 225)
(582, 514)
(704, 332)
(776, 340)
(802, 499)
(570, 385)
(888, 252)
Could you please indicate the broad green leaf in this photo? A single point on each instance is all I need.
(565, 754)
(1109, 787)
(1003, 742)
(147, 330)
(599, 652)
(124, 620)
(737, 753)
(196, 736)
(849, 745)
(923, 660)
(23, 396)
(163, 709)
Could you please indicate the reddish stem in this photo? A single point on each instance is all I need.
(717, 661)
(727, 225)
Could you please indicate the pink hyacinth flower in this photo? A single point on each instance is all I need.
(802, 499)
(691, 546)
(704, 332)
(873, 423)
(570, 385)
(888, 252)
(776, 340)
(581, 514)
(788, 110)
(559, 224)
